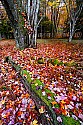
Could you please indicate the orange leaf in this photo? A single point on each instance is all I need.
(64, 112)
(27, 95)
(54, 102)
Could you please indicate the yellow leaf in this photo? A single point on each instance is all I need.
(3, 101)
(36, 84)
(70, 76)
(35, 122)
(3, 70)
(54, 3)
(63, 102)
(50, 3)
(42, 110)
(21, 53)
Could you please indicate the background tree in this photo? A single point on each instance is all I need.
(74, 9)
(45, 28)
(79, 23)
(51, 9)
(55, 15)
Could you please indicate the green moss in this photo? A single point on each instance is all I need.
(24, 72)
(61, 63)
(18, 67)
(57, 106)
(3, 88)
(55, 61)
(40, 61)
(39, 93)
(70, 121)
(70, 64)
(39, 82)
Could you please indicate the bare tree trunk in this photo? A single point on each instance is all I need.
(73, 19)
(73, 14)
(72, 29)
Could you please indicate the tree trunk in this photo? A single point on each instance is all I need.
(23, 17)
(22, 40)
(70, 37)
(72, 29)
(0, 36)
(52, 19)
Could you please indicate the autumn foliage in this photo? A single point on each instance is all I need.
(59, 68)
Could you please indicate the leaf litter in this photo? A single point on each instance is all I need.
(63, 79)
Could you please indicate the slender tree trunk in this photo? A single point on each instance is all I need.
(0, 36)
(52, 19)
(72, 29)
(73, 14)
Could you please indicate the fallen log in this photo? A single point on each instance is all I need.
(51, 119)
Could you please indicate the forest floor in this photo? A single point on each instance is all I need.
(7, 42)
(59, 66)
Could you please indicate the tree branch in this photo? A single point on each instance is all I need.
(40, 20)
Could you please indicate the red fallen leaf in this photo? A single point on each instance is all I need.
(67, 101)
(19, 113)
(33, 113)
(62, 106)
(64, 112)
(20, 120)
(29, 118)
(49, 94)
(75, 111)
(0, 110)
(70, 96)
(81, 99)
(7, 114)
(57, 110)
(80, 110)
(31, 105)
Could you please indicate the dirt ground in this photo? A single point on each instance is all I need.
(7, 42)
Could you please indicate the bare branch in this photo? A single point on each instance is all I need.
(40, 20)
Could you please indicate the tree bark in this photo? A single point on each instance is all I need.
(23, 18)
(72, 29)
(73, 14)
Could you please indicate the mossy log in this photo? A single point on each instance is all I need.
(38, 101)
